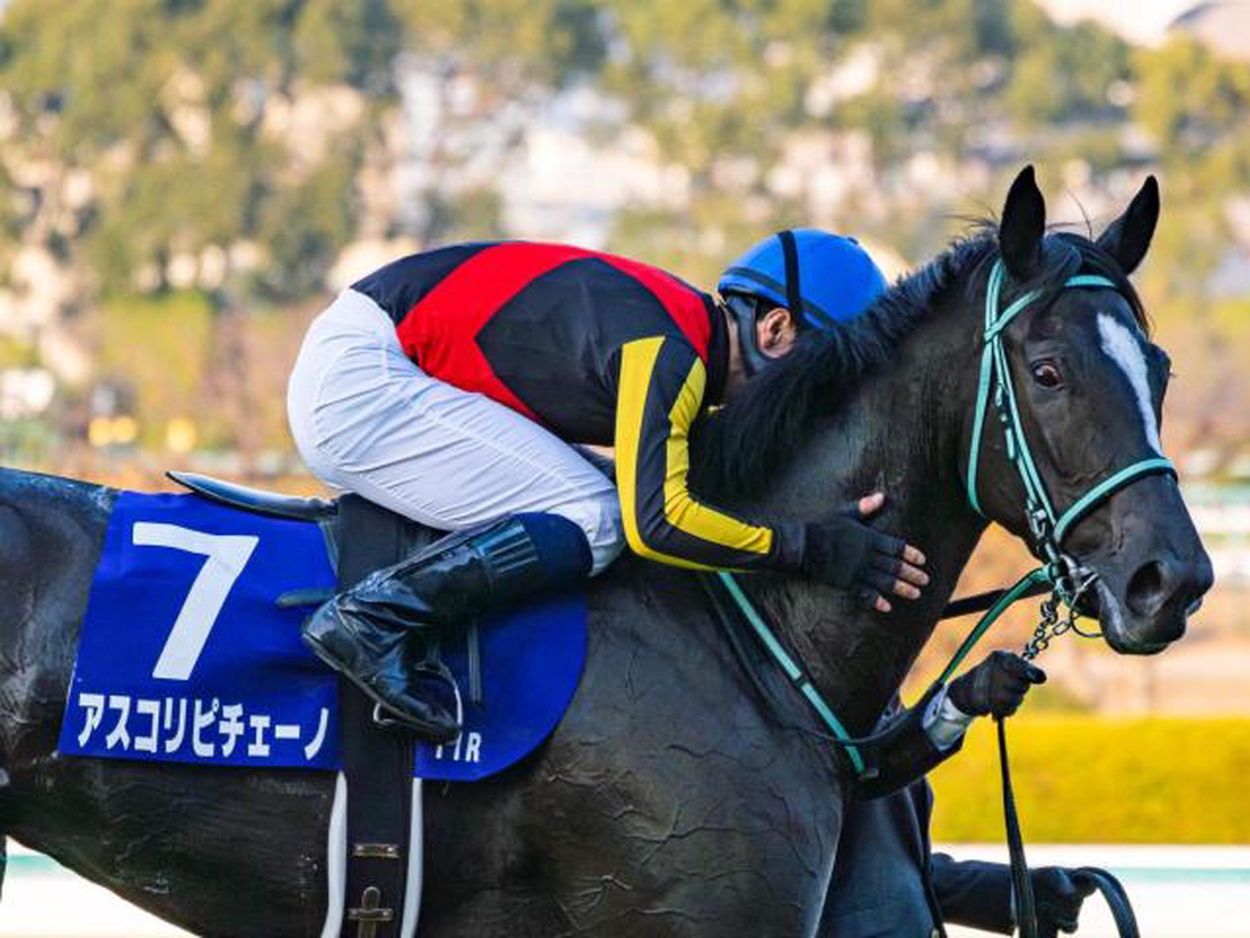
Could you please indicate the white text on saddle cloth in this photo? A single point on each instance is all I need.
(466, 748)
(205, 728)
(185, 653)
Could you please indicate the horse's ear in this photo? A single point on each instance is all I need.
(1023, 226)
(1128, 237)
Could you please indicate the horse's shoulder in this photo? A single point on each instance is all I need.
(661, 618)
(633, 584)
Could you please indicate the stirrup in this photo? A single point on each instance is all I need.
(388, 717)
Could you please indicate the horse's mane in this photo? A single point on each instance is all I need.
(739, 446)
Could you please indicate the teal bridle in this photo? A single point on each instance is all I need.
(1047, 527)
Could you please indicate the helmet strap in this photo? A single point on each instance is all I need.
(790, 256)
(743, 309)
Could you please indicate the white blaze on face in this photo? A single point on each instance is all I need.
(1119, 342)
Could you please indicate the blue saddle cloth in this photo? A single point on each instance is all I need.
(185, 656)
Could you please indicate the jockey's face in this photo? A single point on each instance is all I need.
(775, 333)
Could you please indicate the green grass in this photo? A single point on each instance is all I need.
(1084, 779)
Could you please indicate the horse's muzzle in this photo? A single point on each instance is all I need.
(1155, 604)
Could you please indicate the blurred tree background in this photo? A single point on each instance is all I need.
(245, 157)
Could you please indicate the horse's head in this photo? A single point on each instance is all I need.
(1088, 388)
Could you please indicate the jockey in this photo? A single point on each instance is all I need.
(448, 386)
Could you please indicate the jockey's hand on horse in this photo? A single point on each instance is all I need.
(996, 686)
(1057, 898)
(844, 552)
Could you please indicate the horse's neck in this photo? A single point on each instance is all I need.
(902, 434)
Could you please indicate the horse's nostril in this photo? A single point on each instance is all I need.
(1171, 583)
(1148, 588)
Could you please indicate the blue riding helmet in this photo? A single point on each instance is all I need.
(821, 278)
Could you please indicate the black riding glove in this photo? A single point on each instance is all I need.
(846, 553)
(996, 686)
(1057, 899)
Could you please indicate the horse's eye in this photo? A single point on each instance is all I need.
(1047, 375)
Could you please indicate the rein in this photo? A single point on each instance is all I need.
(1060, 574)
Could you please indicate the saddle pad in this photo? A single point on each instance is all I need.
(184, 655)
(531, 662)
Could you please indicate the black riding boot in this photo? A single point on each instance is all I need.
(365, 631)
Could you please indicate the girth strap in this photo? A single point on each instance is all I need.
(377, 762)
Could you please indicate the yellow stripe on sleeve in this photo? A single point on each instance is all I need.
(638, 361)
(681, 510)
(637, 364)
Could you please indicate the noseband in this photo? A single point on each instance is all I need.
(1048, 528)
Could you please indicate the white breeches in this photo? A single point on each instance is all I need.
(366, 419)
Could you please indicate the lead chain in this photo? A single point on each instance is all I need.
(1051, 625)
(1047, 628)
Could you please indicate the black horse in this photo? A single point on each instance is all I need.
(668, 801)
